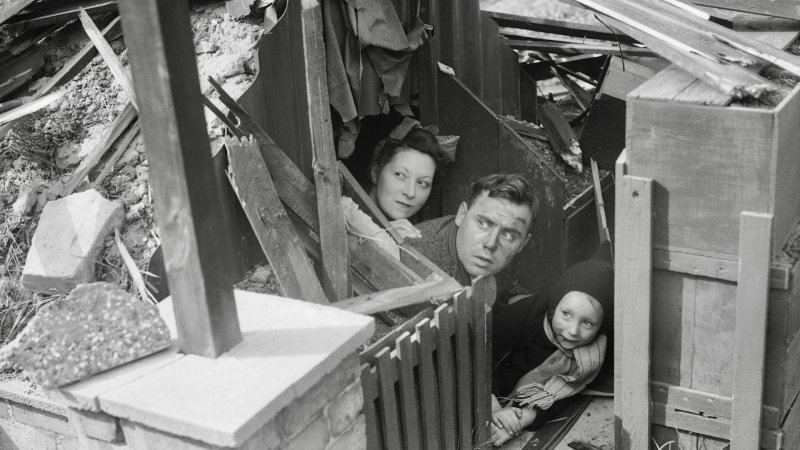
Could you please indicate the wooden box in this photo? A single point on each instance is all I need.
(692, 347)
(711, 160)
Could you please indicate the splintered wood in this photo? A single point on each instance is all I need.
(711, 52)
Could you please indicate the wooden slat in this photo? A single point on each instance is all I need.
(10, 7)
(755, 242)
(539, 45)
(29, 107)
(459, 35)
(380, 269)
(369, 385)
(562, 138)
(196, 256)
(387, 376)
(481, 368)
(620, 170)
(445, 359)
(253, 185)
(464, 365)
(565, 28)
(54, 14)
(123, 144)
(120, 124)
(434, 291)
(632, 286)
(777, 8)
(429, 394)
(412, 427)
(105, 50)
(20, 70)
(696, 51)
(335, 257)
(368, 355)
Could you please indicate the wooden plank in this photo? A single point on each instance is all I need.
(445, 359)
(387, 376)
(161, 52)
(121, 123)
(332, 232)
(105, 50)
(632, 286)
(464, 366)
(412, 427)
(123, 144)
(695, 401)
(20, 71)
(253, 185)
(481, 349)
(786, 206)
(562, 138)
(433, 291)
(429, 394)
(714, 265)
(751, 329)
(581, 96)
(776, 8)
(368, 354)
(673, 332)
(665, 29)
(459, 34)
(29, 107)
(580, 30)
(369, 386)
(11, 7)
(714, 336)
(380, 269)
(539, 45)
(52, 13)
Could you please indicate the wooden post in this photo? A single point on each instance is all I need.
(188, 200)
(755, 240)
(632, 286)
(332, 232)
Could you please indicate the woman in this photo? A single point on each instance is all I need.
(402, 174)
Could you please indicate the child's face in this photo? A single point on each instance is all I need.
(577, 319)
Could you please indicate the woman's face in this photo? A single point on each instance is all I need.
(404, 183)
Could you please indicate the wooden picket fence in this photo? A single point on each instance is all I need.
(428, 386)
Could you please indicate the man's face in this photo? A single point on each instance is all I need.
(490, 233)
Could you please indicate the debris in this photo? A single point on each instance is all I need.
(238, 8)
(449, 144)
(561, 136)
(261, 274)
(133, 271)
(96, 328)
(67, 241)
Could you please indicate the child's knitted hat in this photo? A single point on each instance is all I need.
(593, 277)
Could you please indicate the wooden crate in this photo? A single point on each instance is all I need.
(711, 161)
(692, 347)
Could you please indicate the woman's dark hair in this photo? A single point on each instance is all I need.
(418, 139)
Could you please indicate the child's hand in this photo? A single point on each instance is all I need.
(499, 436)
(508, 419)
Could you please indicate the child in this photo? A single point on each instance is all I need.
(546, 353)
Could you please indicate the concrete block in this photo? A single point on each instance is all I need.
(296, 416)
(345, 408)
(354, 438)
(38, 418)
(268, 437)
(67, 241)
(314, 436)
(99, 426)
(138, 436)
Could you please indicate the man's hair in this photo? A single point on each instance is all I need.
(512, 187)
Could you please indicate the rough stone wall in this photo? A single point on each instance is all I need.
(26, 423)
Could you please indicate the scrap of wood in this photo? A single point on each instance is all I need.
(238, 8)
(787, 9)
(526, 129)
(565, 28)
(405, 126)
(436, 291)
(122, 145)
(690, 42)
(253, 185)
(21, 43)
(9, 8)
(120, 124)
(119, 72)
(53, 13)
(581, 96)
(133, 271)
(20, 70)
(600, 205)
(562, 137)
(29, 107)
(623, 50)
(335, 258)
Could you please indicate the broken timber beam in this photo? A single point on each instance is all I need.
(196, 255)
(561, 135)
(9, 8)
(435, 291)
(253, 185)
(569, 48)
(713, 53)
(787, 9)
(561, 27)
(332, 232)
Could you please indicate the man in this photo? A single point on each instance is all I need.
(487, 232)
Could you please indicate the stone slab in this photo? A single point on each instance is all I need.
(288, 346)
(67, 241)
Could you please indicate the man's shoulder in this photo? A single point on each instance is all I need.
(436, 226)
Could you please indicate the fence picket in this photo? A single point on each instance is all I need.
(409, 403)
(463, 313)
(369, 386)
(428, 389)
(387, 375)
(447, 376)
(480, 350)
